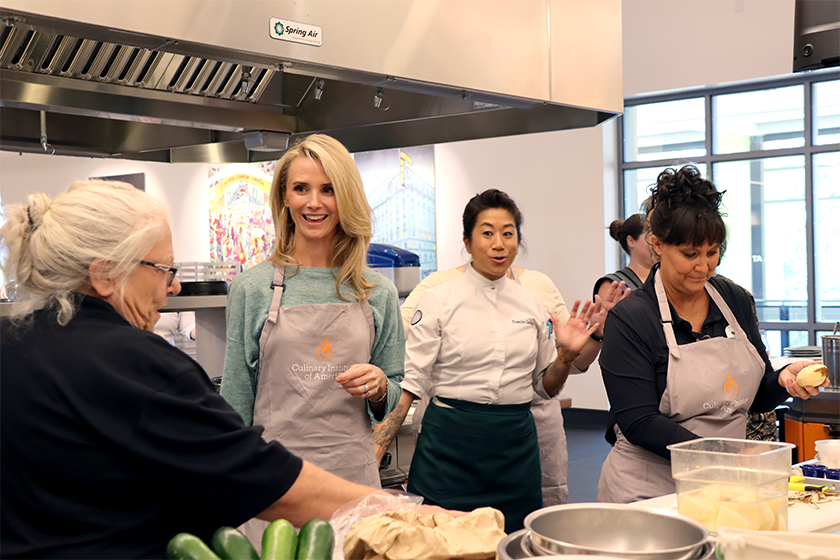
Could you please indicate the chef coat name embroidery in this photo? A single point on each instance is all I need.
(326, 351)
(523, 321)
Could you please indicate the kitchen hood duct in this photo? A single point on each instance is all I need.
(241, 80)
(266, 141)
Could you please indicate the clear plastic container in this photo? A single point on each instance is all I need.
(724, 482)
(828, 452)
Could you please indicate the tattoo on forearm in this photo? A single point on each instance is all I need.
(384, 432)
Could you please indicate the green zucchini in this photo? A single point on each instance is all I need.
(185, 546)
(279, 541)
(230, 544)
(316, 540)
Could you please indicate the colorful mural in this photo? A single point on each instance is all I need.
(241, 228)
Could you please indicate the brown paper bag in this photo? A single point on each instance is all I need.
(408, 535)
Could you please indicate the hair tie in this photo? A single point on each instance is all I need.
(29, 215)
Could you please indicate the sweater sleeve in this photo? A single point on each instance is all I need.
(388, 352)
(246, 312)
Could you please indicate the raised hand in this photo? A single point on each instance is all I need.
(572, 336)
(615, 293)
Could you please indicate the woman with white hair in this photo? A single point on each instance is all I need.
(315, 343)
(113, 440)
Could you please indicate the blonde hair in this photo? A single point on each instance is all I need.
(51, 243)
(350, 246)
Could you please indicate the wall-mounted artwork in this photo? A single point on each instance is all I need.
(400, 185)
(241, 228)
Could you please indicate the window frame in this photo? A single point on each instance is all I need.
(809, 150)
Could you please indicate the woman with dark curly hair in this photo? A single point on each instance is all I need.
(682, 356)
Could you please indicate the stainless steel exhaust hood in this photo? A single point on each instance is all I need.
(227, 80)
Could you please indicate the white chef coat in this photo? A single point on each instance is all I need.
(479, 340)
(171, 323)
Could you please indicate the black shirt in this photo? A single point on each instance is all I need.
(634, 362)
(113, 441)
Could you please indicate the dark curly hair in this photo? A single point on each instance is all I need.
(684, 209)
(491, 198)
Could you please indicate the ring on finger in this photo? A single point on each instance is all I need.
(366, 389)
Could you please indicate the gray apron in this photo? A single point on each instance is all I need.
(302, 350)
(710, 387)
(554, 457)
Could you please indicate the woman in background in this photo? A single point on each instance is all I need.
(630, 234)
(315, 344)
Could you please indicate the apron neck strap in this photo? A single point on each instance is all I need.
(278, 286)
(665, 315)
(724, 309)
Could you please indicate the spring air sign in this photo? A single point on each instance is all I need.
(285, 30)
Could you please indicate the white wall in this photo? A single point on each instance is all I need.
(181, 187)
(675, 44)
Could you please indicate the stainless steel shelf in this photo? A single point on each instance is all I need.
(191, 303)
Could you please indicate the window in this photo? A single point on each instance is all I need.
(774, 147)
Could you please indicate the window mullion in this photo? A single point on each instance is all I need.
(810, 213)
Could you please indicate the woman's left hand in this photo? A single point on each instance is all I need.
(573, 336)
(364, 381)
(615, 293)
(787, 379)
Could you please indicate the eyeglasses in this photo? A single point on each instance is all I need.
(172, 270)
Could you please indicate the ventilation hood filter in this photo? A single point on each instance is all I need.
(242, 79)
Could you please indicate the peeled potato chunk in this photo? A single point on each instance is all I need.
(812, 376)
(728, 518)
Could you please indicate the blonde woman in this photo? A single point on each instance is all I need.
(315, 343)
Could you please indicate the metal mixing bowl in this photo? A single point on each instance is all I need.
(633, 532)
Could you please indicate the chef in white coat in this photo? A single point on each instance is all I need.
(548, 417)
(482, 344)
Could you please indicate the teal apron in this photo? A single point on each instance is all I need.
(472, 455)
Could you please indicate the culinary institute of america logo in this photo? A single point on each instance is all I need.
(730, 387)
(326, 351)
